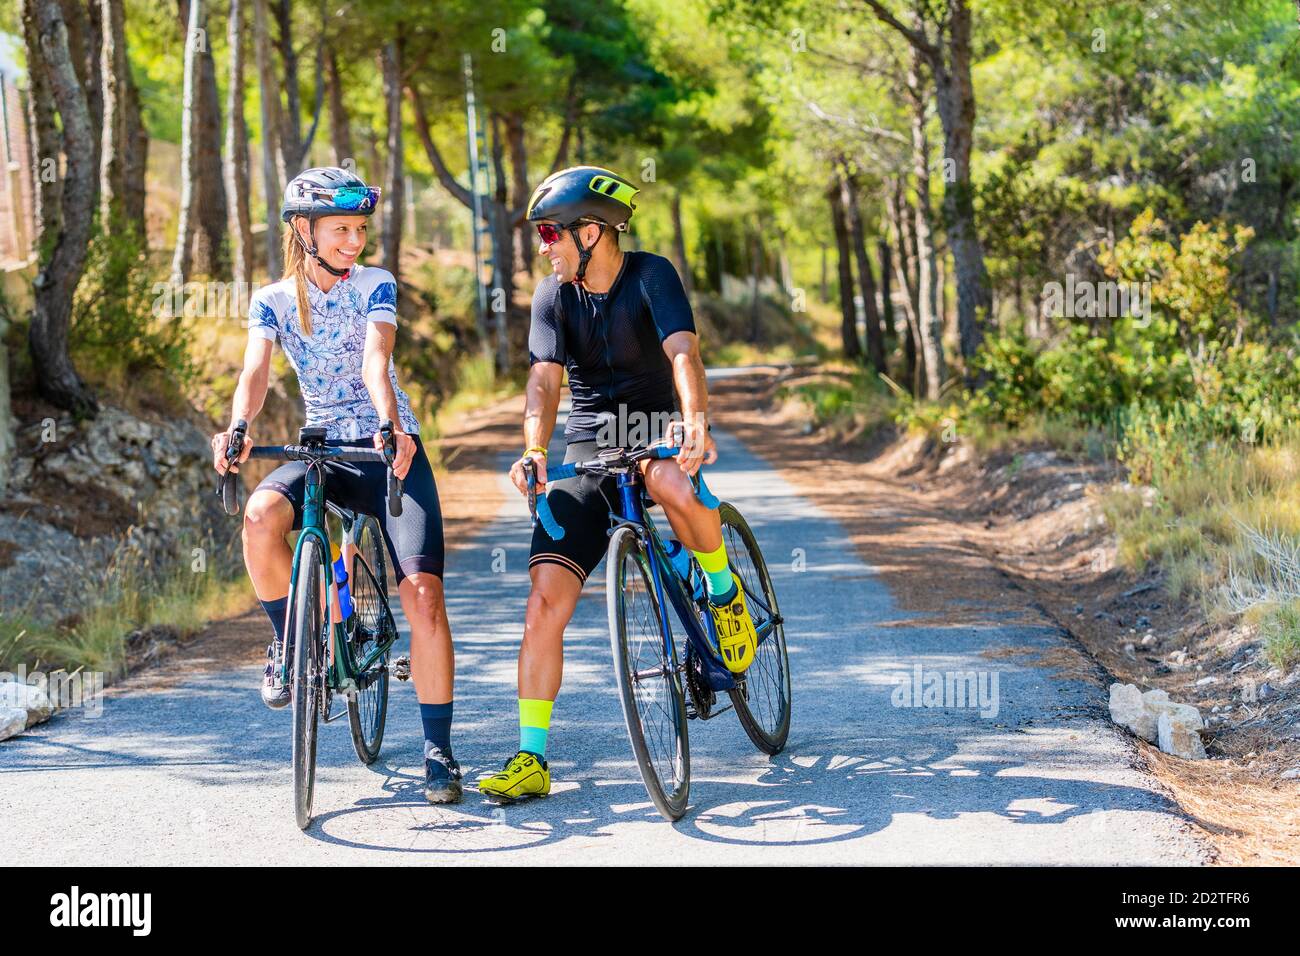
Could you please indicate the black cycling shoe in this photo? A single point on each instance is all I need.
(441, 776)
(274, 694)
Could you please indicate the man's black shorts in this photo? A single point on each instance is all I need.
(581, 506)
(414, 538)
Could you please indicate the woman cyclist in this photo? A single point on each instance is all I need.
(336, 321)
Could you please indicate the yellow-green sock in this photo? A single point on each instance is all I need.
(534, 725)
(717, 574)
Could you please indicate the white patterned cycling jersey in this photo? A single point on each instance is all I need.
(328, 362)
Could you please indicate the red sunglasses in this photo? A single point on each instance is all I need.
(549, 232)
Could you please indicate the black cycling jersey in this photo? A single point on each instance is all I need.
(611, 343)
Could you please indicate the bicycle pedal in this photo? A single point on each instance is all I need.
(401, 668)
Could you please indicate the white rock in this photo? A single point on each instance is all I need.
(1207, 680)
(1292, 774)
(31, 699)
(1178, 712)
(1178, 735)
(12, 721)
(1128, 709)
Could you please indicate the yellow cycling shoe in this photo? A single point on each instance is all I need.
(737, 637)
(524, 776)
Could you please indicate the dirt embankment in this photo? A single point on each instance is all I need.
(946, 528)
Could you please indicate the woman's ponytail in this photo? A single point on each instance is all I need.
(295, 267)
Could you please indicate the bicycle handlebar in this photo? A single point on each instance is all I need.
(621, 461)
(227, 488)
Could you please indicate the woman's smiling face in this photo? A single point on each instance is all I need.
(339, 239)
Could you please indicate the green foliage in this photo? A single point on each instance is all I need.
(118, 328)
(1191, 282)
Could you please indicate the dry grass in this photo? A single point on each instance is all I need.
(1252, 821)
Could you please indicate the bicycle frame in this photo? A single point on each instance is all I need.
(342, 675)
(669, 584)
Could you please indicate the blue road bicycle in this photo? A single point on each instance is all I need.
(664, 682)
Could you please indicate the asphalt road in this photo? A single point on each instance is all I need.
(198, 772)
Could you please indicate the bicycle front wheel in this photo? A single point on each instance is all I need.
(309, 623)
(368, 707)
(650, 687)
(762, 694)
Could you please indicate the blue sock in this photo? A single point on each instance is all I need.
(275, 611)
(437, 725)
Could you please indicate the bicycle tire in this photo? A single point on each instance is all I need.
(307, 622)
(368, 708)
(767, 679)
(626, 550)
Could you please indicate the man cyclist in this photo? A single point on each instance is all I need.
(621, 325)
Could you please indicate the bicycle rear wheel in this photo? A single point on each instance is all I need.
(368, 707)
(308, 623)
(649, 685)
(762, 694)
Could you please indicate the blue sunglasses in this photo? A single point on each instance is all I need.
(349, 197)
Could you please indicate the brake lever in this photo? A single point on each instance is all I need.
(390, 455)
(530, 473)
(227, 489)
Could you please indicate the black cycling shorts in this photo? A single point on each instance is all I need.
(581, 506)
(414, 538)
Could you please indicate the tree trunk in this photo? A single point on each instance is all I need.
(113, 133)
(519, 190)
(208, 216)
(181, 259)
(875, 336)
(503, 255)
(679, 243)
(948, 54)
(46, 140)
(82, 19)
(755, 273)
(905, 271)
(290, 118)
(340, 125)
(848, 311)
(886, 294)
(270, 115)
(65, 220)
(928, 319)
(391, 68)
(236, 164)
(955, 97)
(135, 150)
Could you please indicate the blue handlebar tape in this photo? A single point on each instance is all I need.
(560, 472)
(548, 520)
(707, 498)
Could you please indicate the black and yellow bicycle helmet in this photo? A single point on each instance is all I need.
(583, 194)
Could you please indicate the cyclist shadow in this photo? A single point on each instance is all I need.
(801, 801)
(401, 820)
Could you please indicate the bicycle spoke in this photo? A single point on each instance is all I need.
(647, 660)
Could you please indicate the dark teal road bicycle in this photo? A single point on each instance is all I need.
(338, 646)
(663, 683)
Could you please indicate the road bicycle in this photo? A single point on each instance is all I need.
(664, 683)
(339, 626)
